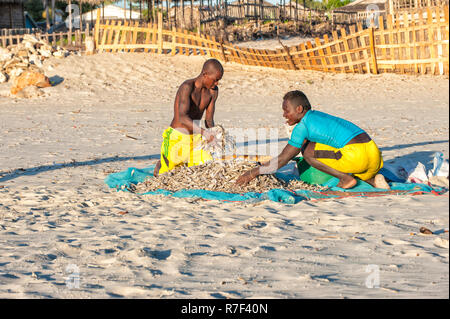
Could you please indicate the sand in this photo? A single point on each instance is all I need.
(273, 43)
(65, 234)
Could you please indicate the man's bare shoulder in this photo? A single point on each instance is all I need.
(188, 84)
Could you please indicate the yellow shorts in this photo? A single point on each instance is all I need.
(178, 148)
(363, 160)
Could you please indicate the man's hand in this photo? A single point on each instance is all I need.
(247, 177)
(210, 136)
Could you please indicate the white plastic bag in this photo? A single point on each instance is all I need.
(440, 166)
(439, 174)
(418, 174)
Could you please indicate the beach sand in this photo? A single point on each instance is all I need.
(264, 43)
(65, 234)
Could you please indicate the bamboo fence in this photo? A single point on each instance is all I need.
(413, 42)
(74, 39)
(400, 44)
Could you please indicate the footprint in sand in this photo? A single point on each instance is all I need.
(255, 223)
(121, 292)
(156, 254)
(392, 242)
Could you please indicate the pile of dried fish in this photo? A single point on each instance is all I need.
(218, 176)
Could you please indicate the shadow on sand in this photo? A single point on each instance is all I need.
(6, 176)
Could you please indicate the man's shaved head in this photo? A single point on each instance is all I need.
(212, 66)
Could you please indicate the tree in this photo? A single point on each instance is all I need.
(333, 4)
(34, 9)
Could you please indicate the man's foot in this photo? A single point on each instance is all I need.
(346, 182)
(157, 168)
(379, 182)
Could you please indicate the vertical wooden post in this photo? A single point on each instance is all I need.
(354, 42)
(47, 18)
(97, 28)
(191, 23)
(347, 50)
(147, 36)
(69, 40)
(117, 36)
(372, 51)
(123, 39)
(391, 7)
(160, 34)
(339, 51)
(104, 35)
(329, 53)
(174, 40)
(390, 28)
(194, 42)
(110, 34)
(131, 17)
(169, 21)
(445, 47)
(305, 57)
(414, 45)
(439, 39)
(222, 49)
(321, 54)
(199, 24)
(310, 55)
(135, 34)
(407, 39)
(430, 31)
(53, 12)
(210, 53)
(154, 35)
(153, 11)
(175, 13)
(365, 45)
(382, 35)
(81, 16)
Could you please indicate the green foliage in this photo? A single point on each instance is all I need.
(148, 14)
(333, 4)
(34, 9)
(323, 4)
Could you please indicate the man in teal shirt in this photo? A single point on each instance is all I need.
(328, 143)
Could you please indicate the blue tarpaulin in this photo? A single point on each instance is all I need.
(122, 180)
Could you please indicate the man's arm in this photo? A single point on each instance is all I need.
(288, 153)
(209, 116)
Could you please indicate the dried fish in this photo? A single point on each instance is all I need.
(224, 143)
(218, 176)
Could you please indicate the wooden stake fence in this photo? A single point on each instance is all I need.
(412, 43)
(419, 44)
(62, 39)
(416, 42)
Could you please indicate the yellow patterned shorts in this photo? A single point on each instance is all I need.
(178, 148)
(363, 160)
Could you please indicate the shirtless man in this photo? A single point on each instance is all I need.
(181, 140)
